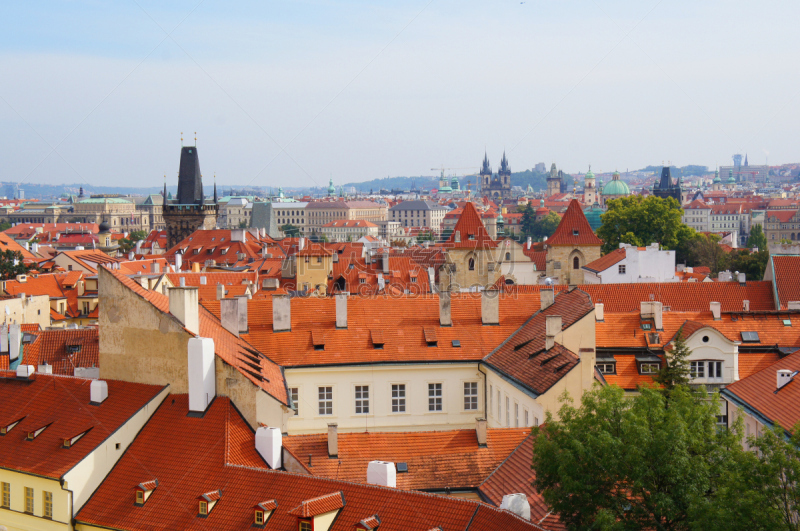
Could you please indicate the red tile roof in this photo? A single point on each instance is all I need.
(574, 228)
(471, 231)
(361, 278)
(319, 505)
(523, 356)
(190, 455)
(436, 459)
(61, 403)
(604, 262)
(787, 278)
(7, 243)
(758, 392)
(55, 286)
(216, 245)
(64, 349)
(235, 284)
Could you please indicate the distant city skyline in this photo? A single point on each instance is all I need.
(296, 93)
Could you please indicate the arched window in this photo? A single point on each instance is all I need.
(576, 263)
(508, 255)
(472, 264)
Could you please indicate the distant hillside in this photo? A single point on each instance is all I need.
(538, 181)
(683, 171)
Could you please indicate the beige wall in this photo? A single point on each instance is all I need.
(314, 273)
(485, 274)
(33, 309)
(16, 520)
(564, 255)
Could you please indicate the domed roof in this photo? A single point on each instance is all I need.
(589, 174)
(331, 188)
(104, 227)
(500, 218)
(716, 177)
(616, 187)
(731, 180)
(541, 202)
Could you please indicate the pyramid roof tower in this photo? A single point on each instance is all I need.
(574, 228)
(470, 230)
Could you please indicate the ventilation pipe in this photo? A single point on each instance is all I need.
(490, 306)
(382, 473)
(98, 392)
(281, 313)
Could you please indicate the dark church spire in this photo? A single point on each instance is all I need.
(190, 181)
(215, 189)
(504, 169)
(486, 169)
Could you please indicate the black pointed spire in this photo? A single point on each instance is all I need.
(215, 189)
(165, 189)
(486, 169)
(504, 169)
(190, 180)
(745, 160)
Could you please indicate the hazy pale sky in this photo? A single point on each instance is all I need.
(290, 93)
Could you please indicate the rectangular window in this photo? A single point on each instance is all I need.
(28, 500)
(499, 415)
(470, 396)
(715, 369)
(47, 499)
(650, 368)
(295, 400)
(398, 398)
(527, 417)
(204, 507)
(621, 269)
(491, 393)
(508, 414)
(326, 400)
(516, 415)
(606, 368)
(434, 397)
(697, 369)
(305, 525)
(6, 501)
(362, 399)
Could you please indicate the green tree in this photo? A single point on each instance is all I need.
(126, 244)
(11, 264)
(752, 265)
(675, 371)
(4, 226)
(243, 224)
(757, 238)
(641, 221)
(705, 250)
(545, 227)
(446, 234)
(631, 463)
(426, 236)
(528, 221)
(290, 231)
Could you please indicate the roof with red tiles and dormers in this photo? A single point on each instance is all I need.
(786, 272)
(470, 230)
(64, 349)
(759, 396)
(574, 228)
(190, 455)
(61, 403)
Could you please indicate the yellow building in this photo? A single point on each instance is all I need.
(572, 246)
(470, 263)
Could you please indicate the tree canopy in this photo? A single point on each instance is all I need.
(11, 264)
(640, 221)
(757, 238)
(291, 231)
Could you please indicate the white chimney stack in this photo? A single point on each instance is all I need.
(382, 473)
(742, 278)
(203, 280)
(716, 310)
(480, 431)
(333, 440)
(184, 305)
(599, 311)
(385, 263)
(269, 443)
(445, 314)
(784, 377)
(517, 504)
(220, 292)
(4, 337)
(45, 369)
(14, 342)
(341, 310)
(552, 329)
(457, 238)
(281, 313)
(529, 242)
(490, 307)
(301, 243)
(25, 371)
(182, 282)
(98, 392)
(547, 297)
(746, 305)
(202, 373)
(178, 261)
(793, 305)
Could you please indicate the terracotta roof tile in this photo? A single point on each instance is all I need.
(787, 278)
(64, 349)
(471, 231)
(604, 262)
(319, 505)
(574, 228)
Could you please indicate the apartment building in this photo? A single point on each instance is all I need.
(319, 213)
(419, 213)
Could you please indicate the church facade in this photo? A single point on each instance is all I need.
(496, 186)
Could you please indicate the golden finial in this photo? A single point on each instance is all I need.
(181, 138)
(195, 138)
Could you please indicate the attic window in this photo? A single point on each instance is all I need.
(8, 427)
(430, 336)
(35, 433)
(144, 490)
(207, 502)
(575, 232)
(377, 339)
(402, 468)
(197, 251)
(456, 343)
(68, 442)
(73, 349)
(262, 512)
(646, 326)
(787, 322)
(750, 337)
(225, 250)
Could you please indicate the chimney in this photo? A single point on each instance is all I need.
(269, 443)
(599, 311)
(517, 504)
(25, 371)
(784, 377)
(385, 263)
(382, 473)
(716, 309)
(547, 297)
(229, 315)
(14, 342)
(457, 238)
(98, 392)
(445, 315)
(178, 262)
(742, 278)
(529, 242)
(183, 304)
(45, 369)
(220, 292)
(552, 329)
(793, 305)
(335, 258)
(658, 315)
(182, 282)
(239, 235)
(281, 313)
(490, 306)
(301, 243)
(341, 311)
(196, 267)
(203, 280)
(139, 246)
(201, 372)
(746, 305)
(131, 255)
(3, 338)
(480, 431)
(333, 440)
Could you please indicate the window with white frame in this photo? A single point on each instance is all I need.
(516, 415)
(326, 400)
(714, 369)
(508, 413)
(606, 368)
(398, 398)
(470, 396)
(650, 368)
(434, 397)
(499, 415)
(362, 399)
(697, 369)
(526, 415)
(621, 269)
(293, 391)
(491, 394)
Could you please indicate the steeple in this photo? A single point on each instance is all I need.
(215, 189)
(486, 169)
(165, 189)
(190, 180)
(745, 160)
(504, 169)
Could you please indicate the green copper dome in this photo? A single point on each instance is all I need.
(500, 219)
(331, 188)
(716, 177)
(616, 187)
(541, 203)
(589, 174)
(593, 216)
(731, 180)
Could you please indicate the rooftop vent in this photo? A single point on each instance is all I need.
(382, 473)
(98, 392)
(784, 377)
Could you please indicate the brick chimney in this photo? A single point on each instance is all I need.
(552, 329)
(480, 431)
(490, 306)
(445, 316)
(281, 313)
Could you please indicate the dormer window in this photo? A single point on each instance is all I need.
(68, 442)
(144, 490)
(262, 512)
(35, 433)
(8, 427)
(207, 502)
(575, 232)
(649, 368)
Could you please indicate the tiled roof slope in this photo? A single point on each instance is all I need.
(50, 347)
(436, 459)
(758, 392)
(515, 475)
(7, 243)
(54, 285)
(233, 350)
(61, 403)
(627, 373)
(471, 231)
(523, 356)
(401, 319)
(235, 283)
(361, 278)
(604, 262)
(787, 278)
(188, 456)
(678, 296)
(574, 220)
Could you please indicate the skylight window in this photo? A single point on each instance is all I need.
(787, 322)
(575, 232)
(750, 337)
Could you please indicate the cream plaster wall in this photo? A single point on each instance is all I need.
(717, 348)
(15, 519)
(33, 309)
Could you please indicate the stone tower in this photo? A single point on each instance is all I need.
(572, 246)
(666, 187)
(486, 173)
(589, 188)
(553, 182)
(189, 211)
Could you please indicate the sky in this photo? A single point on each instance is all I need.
(296, 93)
